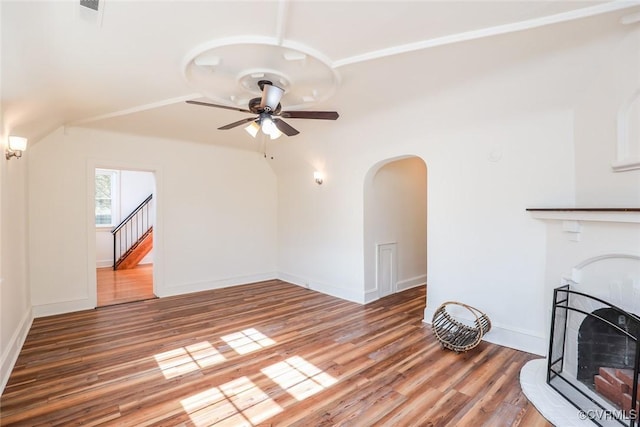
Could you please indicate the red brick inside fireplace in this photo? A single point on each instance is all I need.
(616, 385)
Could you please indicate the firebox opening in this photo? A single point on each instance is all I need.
(606, 355)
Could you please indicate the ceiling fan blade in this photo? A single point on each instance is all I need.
(322, 115)
(285, 128)
(238, 123)
(271, 96)
(206, 104)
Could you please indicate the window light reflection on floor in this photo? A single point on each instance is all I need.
(248, 340)
(236, 403)
(189, 358)
(298, 377)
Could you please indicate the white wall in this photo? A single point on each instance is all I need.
(497, 140)
(612, 83)
(133, 187)
(215, 224)
(395, 211)
(503, 124)
(15, 304)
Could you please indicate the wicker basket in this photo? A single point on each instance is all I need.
(455, 335)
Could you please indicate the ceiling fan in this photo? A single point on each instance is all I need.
(269, 111)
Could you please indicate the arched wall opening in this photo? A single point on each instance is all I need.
(395, 226)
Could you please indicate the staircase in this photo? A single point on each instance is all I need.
(133, 237)
(137, 252)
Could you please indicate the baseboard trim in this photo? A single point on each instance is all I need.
(104, 263)
(325, 288)
(42, 310)
(370, 295)
(412, 282)
(507, 337)
(12, 351)
(214, 284)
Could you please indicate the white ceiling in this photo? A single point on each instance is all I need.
(123, 68)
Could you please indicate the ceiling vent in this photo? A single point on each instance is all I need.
(91, 4)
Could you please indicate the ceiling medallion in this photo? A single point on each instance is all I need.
(228, 71)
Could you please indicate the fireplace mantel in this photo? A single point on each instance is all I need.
(630, 215)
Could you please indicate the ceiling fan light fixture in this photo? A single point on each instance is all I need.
(271, 96)
(252, 129)
(275, 133)
(270, 128)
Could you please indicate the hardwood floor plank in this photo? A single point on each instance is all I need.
(122, 286)
(262, 354)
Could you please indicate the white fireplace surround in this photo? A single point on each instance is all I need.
(595, 251)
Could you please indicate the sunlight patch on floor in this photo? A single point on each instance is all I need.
(236, 403)
(249, 340)
(189, 358)
(298, 377)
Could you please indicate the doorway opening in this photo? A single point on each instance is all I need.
(395, 221)
(124, 219)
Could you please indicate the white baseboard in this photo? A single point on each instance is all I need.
(370, 295)
(109, 263)
(61, 307)
(11, 352)
(412, 282)
(402, 285)
(104, 263)
(208, 285)
(325, 288)
(507, 337)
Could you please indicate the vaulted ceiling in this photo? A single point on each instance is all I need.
(130, 65)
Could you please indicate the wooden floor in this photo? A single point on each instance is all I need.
(263, 354)
(117, 287)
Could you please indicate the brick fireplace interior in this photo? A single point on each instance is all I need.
(606, 355)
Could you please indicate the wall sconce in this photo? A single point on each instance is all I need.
(318, 177)
(15, 147)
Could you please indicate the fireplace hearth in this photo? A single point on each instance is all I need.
(599, 373)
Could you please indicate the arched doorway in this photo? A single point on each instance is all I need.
(395, 226)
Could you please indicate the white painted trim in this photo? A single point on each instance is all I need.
(136, 109)
(392, 249)
(489, 32)
(325, 288)
(158, 247)
(629, 216)
(370, 295)
(11, 352)
(507, 336)
(187, 288)
(281, 21)
(411, 282)
(591, 260)
(61, 307)
(280, 41)
(625, 166)
(102, 263)
(624, 162)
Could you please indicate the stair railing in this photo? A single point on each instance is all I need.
(131, 231)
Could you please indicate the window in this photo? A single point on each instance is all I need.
(106, 197)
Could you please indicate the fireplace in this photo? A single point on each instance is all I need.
(594, 365)
(593, 254)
